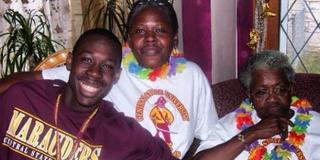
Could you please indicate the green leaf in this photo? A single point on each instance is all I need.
(27, 43)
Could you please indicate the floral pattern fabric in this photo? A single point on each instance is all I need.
(57, 11)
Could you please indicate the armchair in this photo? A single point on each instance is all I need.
(53, 60)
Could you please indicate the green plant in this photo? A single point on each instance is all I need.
(109, 14)
(27, 43)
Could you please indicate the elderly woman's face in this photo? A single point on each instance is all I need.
(151, 38)
(270, 93)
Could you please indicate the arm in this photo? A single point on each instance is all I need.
(232, 148)
(17, 77)
(206, 113)
(228, 150)
(52, 73)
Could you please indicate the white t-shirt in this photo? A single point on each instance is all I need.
(187, 96)
(226, 128)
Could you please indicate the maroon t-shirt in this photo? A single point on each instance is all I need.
(28, 129)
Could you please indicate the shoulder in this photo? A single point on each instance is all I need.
(192, 70)
(110, 113)
(315, 117)
(126, 130)
(30, 96)
(115, 119)
(224, 129)
(314, 128)
(35, 87)
(38, 84)
(228, 119)
(193, 66)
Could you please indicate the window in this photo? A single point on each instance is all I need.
(300, 34)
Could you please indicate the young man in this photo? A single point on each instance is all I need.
(51, 119)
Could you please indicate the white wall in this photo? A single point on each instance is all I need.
(76, 18)
(223, 22)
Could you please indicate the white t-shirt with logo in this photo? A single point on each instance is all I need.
(225, 129)
(188, 110)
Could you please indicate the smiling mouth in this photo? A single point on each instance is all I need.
(150, 51)
(89, 89)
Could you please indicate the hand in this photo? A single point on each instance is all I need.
(283, 125)
(285, 113)
(267, 128)
(284, 117)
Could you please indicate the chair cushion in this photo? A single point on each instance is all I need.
(308, 86)
(227, 96)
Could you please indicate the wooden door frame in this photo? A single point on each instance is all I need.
(273, 26)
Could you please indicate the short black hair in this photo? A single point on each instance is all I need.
(163, 5)
(104, 33)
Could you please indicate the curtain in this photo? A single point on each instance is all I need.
(57, 11)
(216, 37)
(197, 33)
(244, 25)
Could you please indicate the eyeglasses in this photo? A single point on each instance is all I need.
(266, 92)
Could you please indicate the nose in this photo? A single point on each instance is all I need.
(150, 36)
(272, 96)
(94, 71)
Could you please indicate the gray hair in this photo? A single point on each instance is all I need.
(269, 59)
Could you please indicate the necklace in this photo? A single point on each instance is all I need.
(175, 65)
(79, 134)
(283, 150)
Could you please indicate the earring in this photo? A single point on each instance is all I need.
(248, 101)
(176, 53)
(251, 105)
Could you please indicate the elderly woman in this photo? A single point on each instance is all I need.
(271, 124)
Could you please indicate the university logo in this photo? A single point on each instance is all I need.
(33, 138)
(160, 114)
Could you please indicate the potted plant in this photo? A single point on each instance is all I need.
(109, 14)
(27, 43)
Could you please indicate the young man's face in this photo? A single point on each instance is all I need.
(93, 69)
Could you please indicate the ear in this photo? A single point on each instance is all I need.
(248, 93)
(176, 40)
(69, 61)
(292, 90)
(129, 42)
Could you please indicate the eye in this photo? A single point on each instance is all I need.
(281, 90)
(260, 92)
(86, 60)
(108, 67)
(140, 31)
(159, 30)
